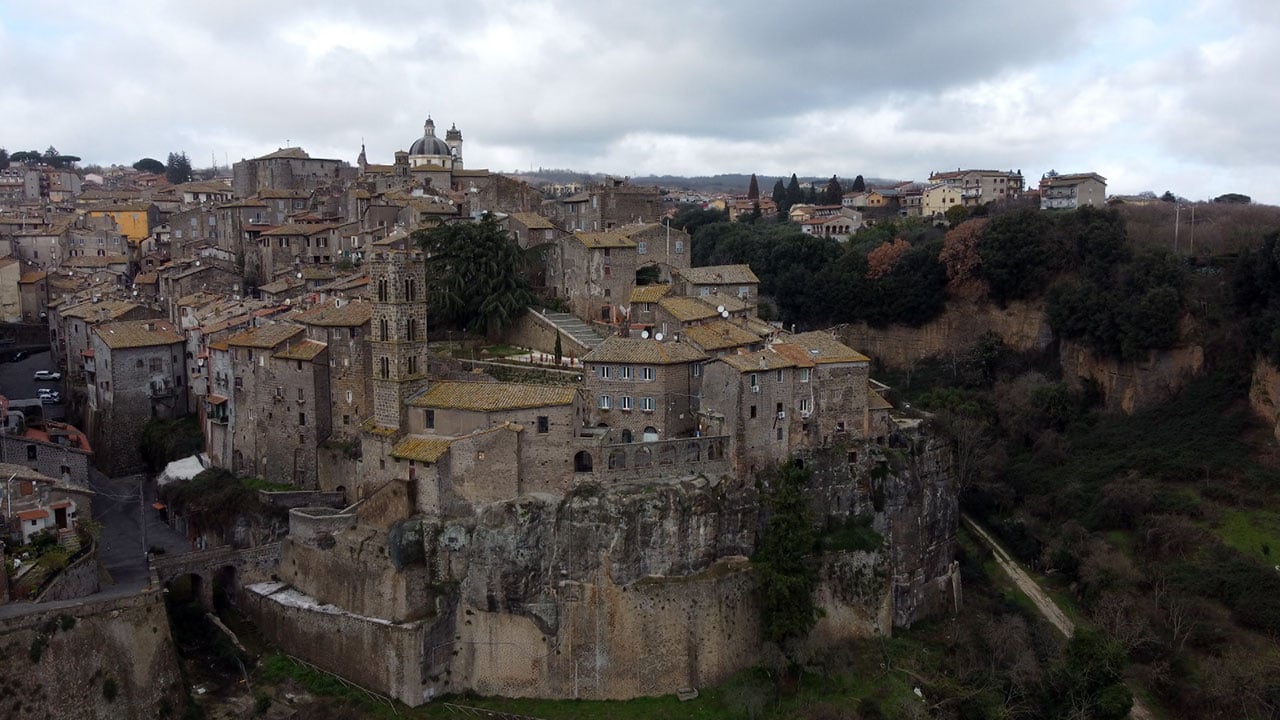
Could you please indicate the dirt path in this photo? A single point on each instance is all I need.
(1047, 607)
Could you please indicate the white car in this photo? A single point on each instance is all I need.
(48, 375)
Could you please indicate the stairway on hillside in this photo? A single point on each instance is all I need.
(574, 327)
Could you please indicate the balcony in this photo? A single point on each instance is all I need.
(158, 389)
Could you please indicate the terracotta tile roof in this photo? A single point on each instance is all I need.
(829, 349)
(307, 350)
(617, 349)
(719, 335)
(267, 336)
(22, 472)
(96, 261)
(610, 239)
(148, 278)
(288, 282)
(876, 401)
(137, 333)
(762, 360)
(289, 153)
(686, 309)
(31, 277)
(421, 449)
(649, 293)
(720, 275)
(796, 354)
(329, 314)
(36, 514)
(90, 310)
(299, 229)
(492, 396)
(129, 207)
(533, 221)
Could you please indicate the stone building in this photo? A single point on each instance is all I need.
(399, 333)
(134, 370)
(287, 169)
(597, 271)
(33, 291)
(53, 448)
(787, 397)
(280, 385)
(643, 389)
(719, 280)
(979, 187)
(611, 204)
(344, 327)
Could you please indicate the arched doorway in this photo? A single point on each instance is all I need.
(582, 462)
(651, 434)
(626, 435)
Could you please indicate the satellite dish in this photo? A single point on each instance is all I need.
(644, 334)
(720, 309)
(658, 337)
(724, 313)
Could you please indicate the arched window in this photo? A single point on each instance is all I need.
(382, 289)
(386, 367)
(582, 462)
(382, 329)
(410, 290)
(411, 329)
(626, 435)
(617, 460)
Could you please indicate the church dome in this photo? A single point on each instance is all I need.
(429, 144)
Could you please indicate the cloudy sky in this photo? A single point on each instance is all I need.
(1177, 95)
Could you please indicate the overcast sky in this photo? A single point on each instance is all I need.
(1152, 95)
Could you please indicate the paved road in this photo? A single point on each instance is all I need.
(121, 549)
(1045, 604)
(17, 381)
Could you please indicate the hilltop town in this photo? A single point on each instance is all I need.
(581, 484)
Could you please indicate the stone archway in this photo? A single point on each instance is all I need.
(583, 462)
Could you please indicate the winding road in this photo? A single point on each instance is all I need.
(1047, 607)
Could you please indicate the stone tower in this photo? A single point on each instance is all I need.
(399, 326)
(454, 139)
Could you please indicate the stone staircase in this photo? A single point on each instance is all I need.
(575, 328)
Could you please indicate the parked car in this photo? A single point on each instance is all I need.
(48, 375)
(51, 399)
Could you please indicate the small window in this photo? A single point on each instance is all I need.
(626, 372)
(544, 425)
(346, 419)
(431, 419)
(804, 374)
(646, 404)
(302, 419)
(697, 370)
(779, 375)
(779, 433)
(642, 248)
(679, 246)
(300, 399)
(603, 371)
(646, 373)
(605, 402)
(625, 402)
(755, 380)
(753, 411)
(31, 452)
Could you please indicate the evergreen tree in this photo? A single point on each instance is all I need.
(780, 196)
(753, 190)
(833, 193)
(786, 559)
(476, 274)
(559, 349)
(178, 169)
(4, 159)
(150, 165)
(859, 185)
(794, 193)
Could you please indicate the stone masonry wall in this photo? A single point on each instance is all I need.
(55, 663)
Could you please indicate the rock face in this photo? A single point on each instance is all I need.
(106, 659)
(1021, 325)
(611, 591)
(1264, 393)
(1132, 386)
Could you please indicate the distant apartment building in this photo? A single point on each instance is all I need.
(1071, 192)
(979, 187)
(287, 169)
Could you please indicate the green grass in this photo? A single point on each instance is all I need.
(1255, 533)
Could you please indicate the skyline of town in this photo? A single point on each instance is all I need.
(1152, 99)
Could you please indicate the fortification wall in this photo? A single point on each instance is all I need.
(60, 663)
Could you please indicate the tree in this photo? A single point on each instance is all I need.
(149, 165)
(178, 168)
(833, 193)
(956, 214)
(1227, 198)
(4, 159)
(475, 275)
(883, 259)
(780, 197)
(960, 256)
(753, 190)
(1168, 196)
(785, 557)
(794, 193)
(859, 185)
(559, 349)
(24, 156)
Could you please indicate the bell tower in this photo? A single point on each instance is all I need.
(399, 328)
